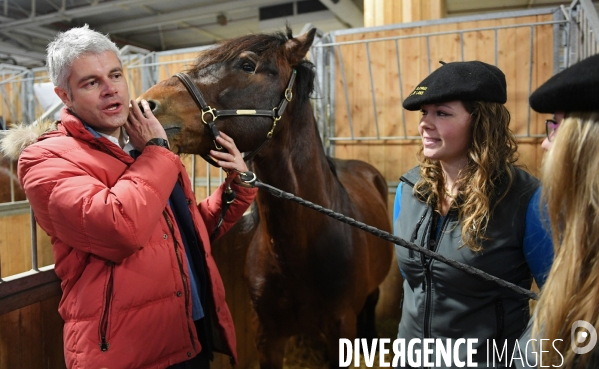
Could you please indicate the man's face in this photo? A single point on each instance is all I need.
(99, 92)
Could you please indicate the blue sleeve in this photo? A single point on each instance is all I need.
(397, 204)
(538, 248)
(396, 209)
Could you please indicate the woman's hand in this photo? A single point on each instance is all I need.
(232, 160)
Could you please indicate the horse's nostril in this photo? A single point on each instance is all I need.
(153, 105)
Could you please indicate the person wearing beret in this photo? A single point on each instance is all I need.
(576, 90)
(468, 201)
(567, 314)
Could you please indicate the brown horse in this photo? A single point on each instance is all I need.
(8, 179)
(307, 273)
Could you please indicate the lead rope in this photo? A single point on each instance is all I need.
(249, 179)
(227, 199)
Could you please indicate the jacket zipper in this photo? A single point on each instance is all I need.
(428, 281)
(104, 321)
(499, 314)
(180, 262)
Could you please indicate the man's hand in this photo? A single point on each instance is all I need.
(231, 161)
(142, 126)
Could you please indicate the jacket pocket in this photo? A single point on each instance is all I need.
(499, 316)
(104, 344)
(415, 231)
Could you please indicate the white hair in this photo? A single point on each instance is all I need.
(70, 45)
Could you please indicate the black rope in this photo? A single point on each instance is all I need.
(396, 240)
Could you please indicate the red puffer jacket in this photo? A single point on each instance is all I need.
(126, 298)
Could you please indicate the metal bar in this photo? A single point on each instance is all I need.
(558, 35)
(53, 109)
(569, 42)
(14, 208)
(34, 264)
(349, 117)
(403, 111)
(27, 288)
(530, 62)
(22, 75)
(372, 92)
(462, 45)
(72, 13)
(138, 60)
(12, 182)
(592, 18)
(583, 32)
(18, 282)
(428, 54)
(331, 107)
(448, 20)
(442, 33)
(8, 103)
(496, 47)
(161, 63)
(318, 91)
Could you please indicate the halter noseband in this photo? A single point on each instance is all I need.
(275, 112)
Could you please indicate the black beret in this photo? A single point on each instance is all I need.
(464, 81)
(576, 88)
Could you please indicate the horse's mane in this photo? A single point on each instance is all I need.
(264, 45)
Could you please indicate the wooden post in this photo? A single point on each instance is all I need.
(381, 12)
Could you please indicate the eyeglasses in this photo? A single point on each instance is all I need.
(551, 127)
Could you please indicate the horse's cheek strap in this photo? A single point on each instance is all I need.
(215, 133)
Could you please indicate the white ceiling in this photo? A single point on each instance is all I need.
(26, 26)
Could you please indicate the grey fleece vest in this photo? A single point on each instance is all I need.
(443, 302)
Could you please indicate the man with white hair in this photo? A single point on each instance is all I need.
(131, 246)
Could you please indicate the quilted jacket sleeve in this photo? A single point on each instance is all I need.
(95, 203)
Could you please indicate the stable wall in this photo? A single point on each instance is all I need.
(395, 157)
(33, 334)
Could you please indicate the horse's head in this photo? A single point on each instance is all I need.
(250, 73)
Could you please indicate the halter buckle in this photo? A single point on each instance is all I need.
(275, 119)
(247, 179)
(288, 94)
(211, 111)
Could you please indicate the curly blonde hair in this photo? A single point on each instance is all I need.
(491, 153)
(571, 192)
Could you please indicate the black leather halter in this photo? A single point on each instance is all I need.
(275, 112)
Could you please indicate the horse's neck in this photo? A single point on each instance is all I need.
(297, 163)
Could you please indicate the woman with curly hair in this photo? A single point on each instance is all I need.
(468, 201)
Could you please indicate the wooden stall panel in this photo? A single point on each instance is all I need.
(15, 245)
(10, 105)
(31, 337)
(391, 84)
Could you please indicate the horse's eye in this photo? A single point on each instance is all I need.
(248, 67)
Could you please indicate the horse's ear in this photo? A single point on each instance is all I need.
(298, 47)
